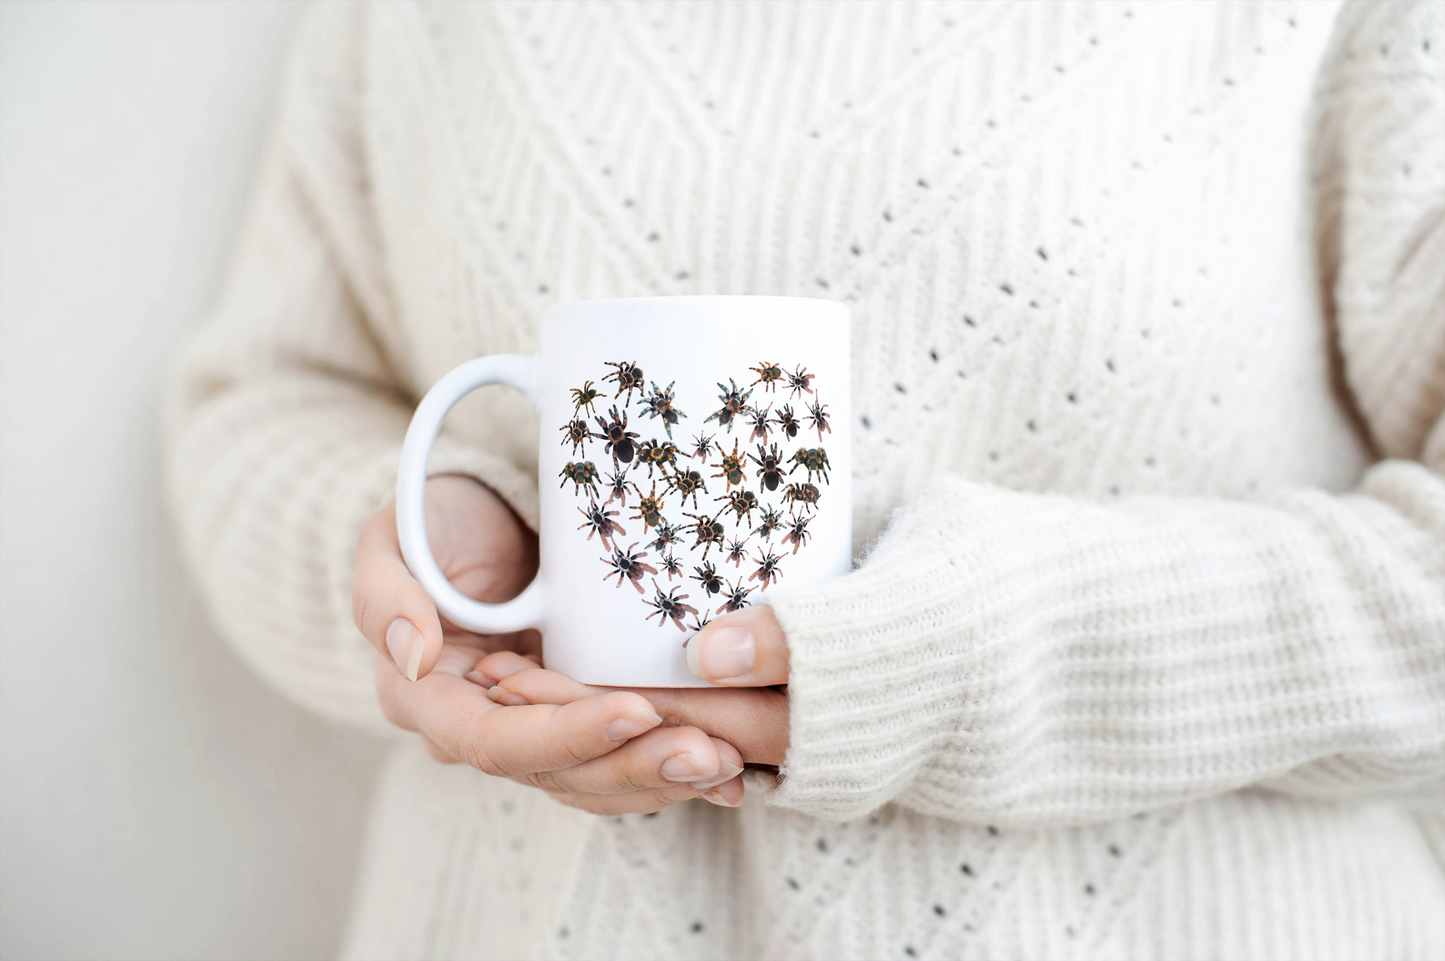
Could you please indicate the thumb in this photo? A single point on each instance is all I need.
(744, 649)
(388, 604)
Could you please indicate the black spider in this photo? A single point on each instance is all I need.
(767, 568)
(818, 417)
(650, 510)
(740, 503)
(577, 434)
(815, 459)
(619, 438)
(617, 483)
(698, 623)
(737, 598)
(707, 531)
(734, 403)
(597, 521)
(687, 484)
(799, 380)
(787, 422)
(671, 566)
(669, 605)
(772, 521)
(805, 494)
(628, 565)
(666, 536)
(702, 446)
(659, 404)
(768, 375)
(798, 533)
(734, 467)
(707, 576)
(760, 422)
(737, 550)
(770, 467)
(662, 455)
(584, 396)
(628, 377)
(583, 474)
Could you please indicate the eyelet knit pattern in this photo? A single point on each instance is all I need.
(1145, 652)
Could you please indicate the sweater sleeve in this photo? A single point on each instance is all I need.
(1005, 657)
(285, 413)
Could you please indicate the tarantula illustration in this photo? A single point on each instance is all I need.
(650, 510)
(772, 521)
(734, 403)
(768, 375)
(666, 537)
(698, 623)
(583, 474)
(687, 484)
(787, 422)
(707, 576)
(734, 467)
(671, 566)
(597, 521)
(617, 483)
(805, 494)
(737, 551)
(798, 532)
(577, 435)
(770, 467)
(818, 417)
(619, 439)
(707, 531)
(799, 380)
(761, 423)
(662, 456)
(702, 446)
(815, 459)
(737, 598)
(740, 503)
(767, 568)
(659, 404)
(628, 565)
(628, 377)
(669, 605)
(584, 397)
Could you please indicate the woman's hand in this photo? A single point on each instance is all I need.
(745, 650)
(603, 753)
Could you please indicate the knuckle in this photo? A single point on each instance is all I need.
(474, 748)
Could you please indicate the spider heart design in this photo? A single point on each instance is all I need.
(673, 495)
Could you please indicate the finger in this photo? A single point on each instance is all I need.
(503, 664)
(728, 794)
(662, 758)
(754, 720)
(387, 603)
(507, 741)
(743, 649)
(536, 685)
(437, 754)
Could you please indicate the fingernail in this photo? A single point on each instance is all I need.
(403, 643)
(629, 726)
(724, 653)
(687, 767)
(715, 797)
(505, 697)
(480, 679)
(726, 772)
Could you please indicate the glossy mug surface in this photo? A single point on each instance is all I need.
(693, 453)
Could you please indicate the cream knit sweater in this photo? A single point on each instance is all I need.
(1145, 654)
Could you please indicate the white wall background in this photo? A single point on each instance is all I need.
(155, 799)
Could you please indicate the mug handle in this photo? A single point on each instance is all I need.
(519, 372)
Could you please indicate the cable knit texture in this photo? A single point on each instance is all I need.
(1145, 653)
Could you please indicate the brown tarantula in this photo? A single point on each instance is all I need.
(740, 503)
(669, 605)
(702, 445)
(737, 550)
(708, 577)
(798, 533)
(707, 531)
(818, 417)
(698, 623)
(584, 396)
(767, 568)
(650, 510)
(628, 377)
(787, 421)
(761, 423)
(617, 483)
(733, 467)
(805, 494)
(768, 375)
(687, 484)
(577, 434)
(583, 474)
(734, 404)
(662, 455)
(815, 459)
(628, 565)
(671, 566)
(770, 467)
(597, 521)
(772, 521)
(619, 439)
(659, 404)
(666, 537)
(737, 598)
(799, 380)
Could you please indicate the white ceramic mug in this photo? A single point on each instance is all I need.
(694, 451)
